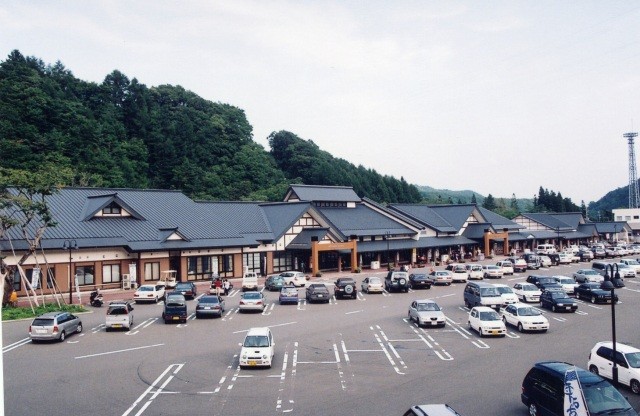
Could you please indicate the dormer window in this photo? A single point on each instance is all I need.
(112, 209)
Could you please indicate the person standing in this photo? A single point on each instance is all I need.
(218, 285)
(226, 286)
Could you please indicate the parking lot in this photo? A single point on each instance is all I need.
(359, 356)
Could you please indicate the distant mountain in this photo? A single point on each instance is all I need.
(446, 196)
(600, 210)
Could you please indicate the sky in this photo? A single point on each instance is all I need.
(497, 97)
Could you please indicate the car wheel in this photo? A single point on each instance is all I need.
(593, 299)
(635, 386)
(520, 327)
(553, 308)
(79, 328)
(156, 299)
(449, 284)
(62, 337)
(594, 369)
(480, 332)
(533, 409)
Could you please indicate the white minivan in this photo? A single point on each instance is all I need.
(545, 249)
(627, 360)
(258, 348)
(249, 281)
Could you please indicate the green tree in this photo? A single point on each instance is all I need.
(489, 203)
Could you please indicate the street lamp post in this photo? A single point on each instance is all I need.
(559, 243)
(609, 285)
(387, 235)
(70, 245)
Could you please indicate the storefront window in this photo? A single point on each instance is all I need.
(85, 275)
(282, 261)
(251, 261)
(152, 271)
(110, 273)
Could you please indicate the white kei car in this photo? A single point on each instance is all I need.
(525, 318)
(527, 292)
(508, 297)
(486, 321)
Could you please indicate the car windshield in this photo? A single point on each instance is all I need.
(489, 316)
(183, 286)
(430, 306)
(374, 280)
(557, 294)
(602, 398)
(566, 281)
(460, 270)
(504, 289)
(530, 288)
(419, 276)
(489, 291)
(492, 267)
(251, 295)
(146, 289)
(633, 262)
(587, 272)
(476, 268)
(529, 311)
(256, 341)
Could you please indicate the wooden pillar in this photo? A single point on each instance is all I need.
(354, 255)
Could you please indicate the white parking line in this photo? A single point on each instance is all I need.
(118, 351)
(175, 367)
(15, 345)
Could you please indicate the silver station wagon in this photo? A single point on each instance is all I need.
(54, 326)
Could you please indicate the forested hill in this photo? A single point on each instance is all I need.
(121, 133)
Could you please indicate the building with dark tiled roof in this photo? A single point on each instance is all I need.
(105, 237)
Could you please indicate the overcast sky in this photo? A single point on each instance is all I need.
(497, 97)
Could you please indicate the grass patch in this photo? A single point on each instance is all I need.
(10, 313)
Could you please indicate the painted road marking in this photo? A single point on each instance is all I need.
(175, 368)
(15, 345)
(118, 351)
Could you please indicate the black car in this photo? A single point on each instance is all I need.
(550, 286)
(542, 280)
(175, 308)
(554, 257)
(317, 292)
(186, 289)
(593, 293)
(586, 255)
(396, 282)
(419, 280)
(558, 301)
(544, 385)
(345, 287)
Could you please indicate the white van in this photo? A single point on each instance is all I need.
(258, 348)
(545, 249)
(249, 281)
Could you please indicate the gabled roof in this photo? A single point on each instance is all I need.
(425, 215)
(281, 216)
(320, 193)
(549, 220)
(498, 221)
(455, 215)
(362, 221)
(303, 239)
(611, 227)
(573, 219)
(96, 203)
(476, 231)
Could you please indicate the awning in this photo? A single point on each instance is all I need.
(404, 244)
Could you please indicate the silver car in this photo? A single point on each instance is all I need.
(252, 301)
(426, 312)
(54, 326)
